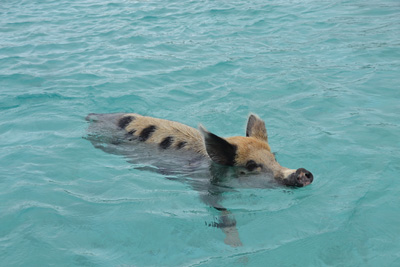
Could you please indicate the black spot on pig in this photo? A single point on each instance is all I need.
(181, 144)
(146, 133)
(166, 143)
(123, 122)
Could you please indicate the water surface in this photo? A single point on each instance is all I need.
(323, 74)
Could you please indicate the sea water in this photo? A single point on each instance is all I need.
(324, 75)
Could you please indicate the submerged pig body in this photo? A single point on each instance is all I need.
(251, 154)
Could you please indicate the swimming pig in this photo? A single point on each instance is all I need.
(251, 154)
(209, 161)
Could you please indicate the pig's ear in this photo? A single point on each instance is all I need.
(256, 128)
(219, 150)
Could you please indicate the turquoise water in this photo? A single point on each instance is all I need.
(323, 74)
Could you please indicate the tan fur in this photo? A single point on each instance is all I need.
(256, 128)
(252, 148)
(249, 148)
(166, 128)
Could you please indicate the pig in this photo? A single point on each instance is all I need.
(245, 159)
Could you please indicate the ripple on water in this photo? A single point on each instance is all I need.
(324, 76)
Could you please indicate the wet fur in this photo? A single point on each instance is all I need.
(167, 134)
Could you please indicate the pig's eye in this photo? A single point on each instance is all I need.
(251, 165)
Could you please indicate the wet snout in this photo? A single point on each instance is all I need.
(304, 177)
(300, 178)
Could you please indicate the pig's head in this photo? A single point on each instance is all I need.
(252, 154)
